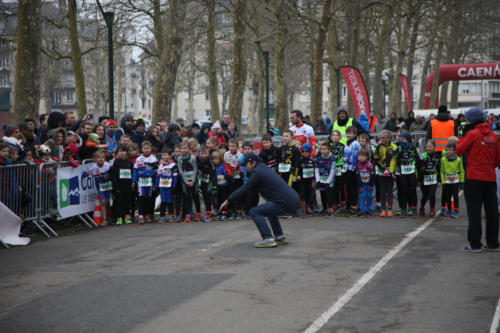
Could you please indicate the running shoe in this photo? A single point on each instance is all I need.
(119, 221)
(382, 213)
(281, 240)
(432, 214)
(140, 219)
(239, 216)
(443, 212)
(268, 242)
(222, 217)
(162, 219)
(455, 214)
(187, 219)
(471, 249)
(399, 212)
(205, 218)
(490, 249)
(232, 216)
(197, 218)
(402, 213)
(389, 213)
(422, 211)
(128, 220)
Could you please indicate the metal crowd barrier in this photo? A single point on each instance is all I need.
(30, 191)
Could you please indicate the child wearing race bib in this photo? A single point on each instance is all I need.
(324, 171)
(429, 176)
(337, 149)
(452, 177)
(121, 177)
(365, 176)
(100, 171)
(288, 159)
(407, 163)
(222, 182)
(232, 160)
(385, 158)
(166, 182)
(143, 177)
(188, 169)
(269, 153)
(208, 181)
(350, 160)
(307, 180)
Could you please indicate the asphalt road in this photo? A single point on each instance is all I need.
(207, 277)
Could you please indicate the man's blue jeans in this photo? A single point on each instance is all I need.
(271, 211)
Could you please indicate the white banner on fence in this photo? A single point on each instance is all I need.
(76, 191)
(10, 225)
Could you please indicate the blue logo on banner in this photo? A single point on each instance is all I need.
(74, 191)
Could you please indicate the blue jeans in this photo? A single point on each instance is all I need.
(365, 199)
(271, 211)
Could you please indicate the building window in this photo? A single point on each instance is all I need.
(133, 91)
(465, 89)
(4, 62)
(4, 80)
(69, 95)
(344, 91)
(56, 97)
(208, 112)
(186, 95)
(207, 94)
(143, 101)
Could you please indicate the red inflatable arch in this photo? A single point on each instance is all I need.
(460, 73)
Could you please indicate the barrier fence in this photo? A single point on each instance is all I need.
(30, 191)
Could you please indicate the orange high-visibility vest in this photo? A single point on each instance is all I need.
(372, 122)
(441, 131)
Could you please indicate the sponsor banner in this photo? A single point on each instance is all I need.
(357, 90)
(460, 72)
(10, 227)
(406, 90)
(76, 191)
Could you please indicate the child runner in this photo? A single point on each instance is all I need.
(429, 176)
(324, 171)
(452, 176)
(307, 181)
(232, 160)
(337, 148)
(121, 176)
(211, 145)
(208, 181)
(365, 176)
(350, 159)
(143, 176)
(407, 163)
(269, 153)
(222, 182)
(385, 158)
(188, 169)
(288, 159)
(166, 182)
(100, 171)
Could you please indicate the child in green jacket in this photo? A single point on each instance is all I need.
(452, 176)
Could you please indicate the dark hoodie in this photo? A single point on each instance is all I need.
(126, 130)
(172, 138)
(54, 118)
(201, 136)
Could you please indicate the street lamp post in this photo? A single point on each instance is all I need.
(383, 84)
(108, 18)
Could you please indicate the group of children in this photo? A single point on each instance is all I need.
(348, 169)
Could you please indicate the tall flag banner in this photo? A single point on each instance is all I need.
(357, 90)
(406, 89)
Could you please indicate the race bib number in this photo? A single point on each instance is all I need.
(165, 182)
(407, 169)
(308, 173)
(204, 178)
(236, 175)
(145, 182)
(451, 179)
(125, 174)
(430, 179)
(323, 179)
(189, 176)
(283, 167)
(221, 180)
(365, 176)
(105, 186)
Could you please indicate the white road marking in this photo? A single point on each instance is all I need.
(496, 319)
(344, 299)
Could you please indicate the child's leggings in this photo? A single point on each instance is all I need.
(407, 191)
(451, 190)
(365, 199)
(386, 184)
(428, 193)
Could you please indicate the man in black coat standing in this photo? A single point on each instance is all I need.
(281, 199)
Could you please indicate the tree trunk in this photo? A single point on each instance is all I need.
(211, 63)
(27, 86)
(395, 104)
(425, 68)
(411, 50)
(439, 54)
(334, 50)
(280, 105)
(239, 76)
(354, 47)
(378, 90)
(76, 59)
(317, 93)
(170, 59)
(454, 95)
(261, 116)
